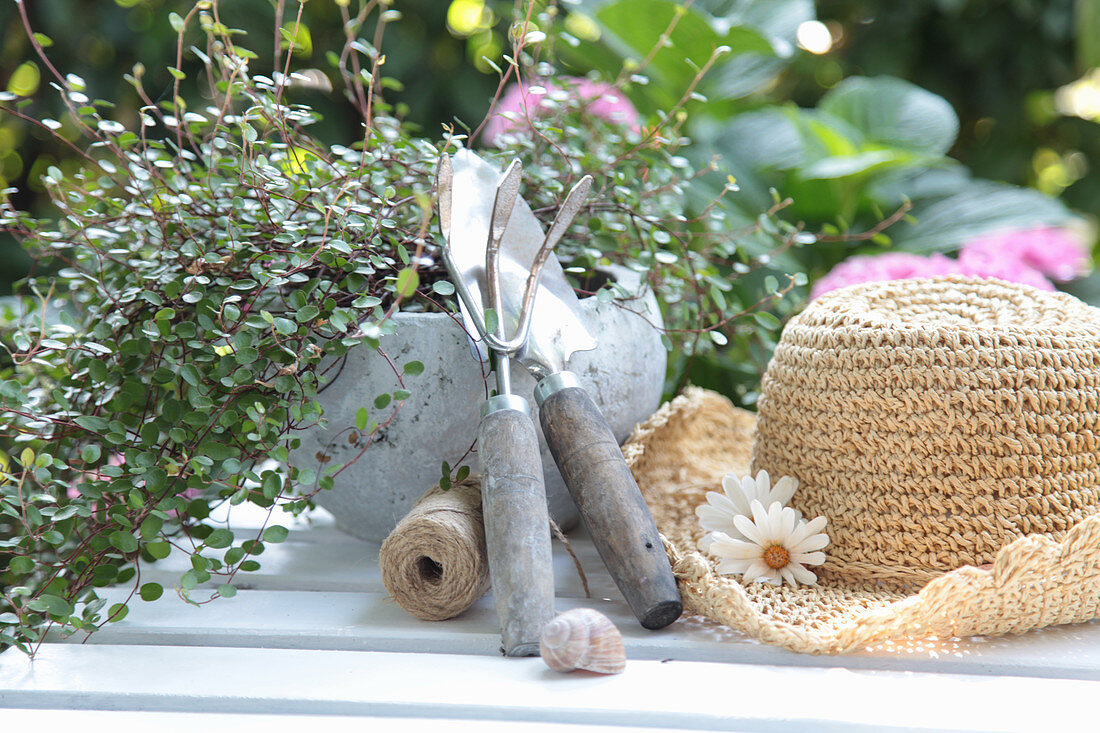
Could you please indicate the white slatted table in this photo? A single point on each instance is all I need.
(312, 638)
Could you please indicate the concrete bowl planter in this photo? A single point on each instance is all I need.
(438, 422)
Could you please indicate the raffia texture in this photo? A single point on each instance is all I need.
(1046, 569)
(935, 421)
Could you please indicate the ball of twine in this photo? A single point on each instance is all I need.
(434, 562)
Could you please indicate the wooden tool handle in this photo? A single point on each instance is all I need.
(517, 528)
(611, 505)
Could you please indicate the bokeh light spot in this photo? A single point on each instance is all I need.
(25, 79)
(582, 26)
(814, 36)
(1080, 98)
(467, 17)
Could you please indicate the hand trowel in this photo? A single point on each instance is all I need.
(582, 443)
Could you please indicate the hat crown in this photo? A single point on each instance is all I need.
(933, 421)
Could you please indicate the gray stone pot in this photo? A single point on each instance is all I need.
(438, 422)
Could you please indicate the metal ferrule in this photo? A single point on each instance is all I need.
(499, 402)
(554, 383)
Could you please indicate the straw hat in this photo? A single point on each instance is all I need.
(949, 429)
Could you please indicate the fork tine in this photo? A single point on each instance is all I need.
(444, 175)
(565, 216)
(503, 204)
(507, 192)
(444, 178)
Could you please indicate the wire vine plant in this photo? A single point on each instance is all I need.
(207, 270)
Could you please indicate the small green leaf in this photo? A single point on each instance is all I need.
(219, 538)
(272, 484)
(151, 526)
(491, 321)
(94, 424)
(43, 40)
(159, 550)
(463, 473)
(56, 605)
(382, 401)
(407, 282)
(176, 22)
(275, 534)
(413, 368)
(190, 374)
(97, 370)
(362, 418)
(767, 320)
(226, 590)
(307, 314)
(123, 541)
(21, 565)
(117, 612)
(151, 591)
(53, 537)
(285, 326)
(247, 355)
(90, 453)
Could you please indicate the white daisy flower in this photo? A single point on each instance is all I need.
(777, 547)
(718, 513)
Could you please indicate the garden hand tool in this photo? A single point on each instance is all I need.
(592, 464)
(582, 443)
(517, 523)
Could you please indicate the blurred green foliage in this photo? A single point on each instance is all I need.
(847, 149)
(856, 161)
(999, 64)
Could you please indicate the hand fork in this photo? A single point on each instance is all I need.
(513, 494)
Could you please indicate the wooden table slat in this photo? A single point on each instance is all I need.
(694, 695)
(371, 622)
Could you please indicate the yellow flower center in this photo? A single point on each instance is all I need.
(776, 556)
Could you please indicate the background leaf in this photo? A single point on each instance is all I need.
(983, 207)
(894, 112)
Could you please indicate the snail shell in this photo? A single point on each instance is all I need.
(582, 639)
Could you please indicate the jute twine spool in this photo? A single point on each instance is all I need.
(434, 562)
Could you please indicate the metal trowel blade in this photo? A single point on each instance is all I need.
(557, 329)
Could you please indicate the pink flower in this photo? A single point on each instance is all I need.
(520, 103)
(1052, 251)
(903, 265)
(877, 268)
(1004, 269)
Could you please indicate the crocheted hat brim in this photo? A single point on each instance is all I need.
(686, 448)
